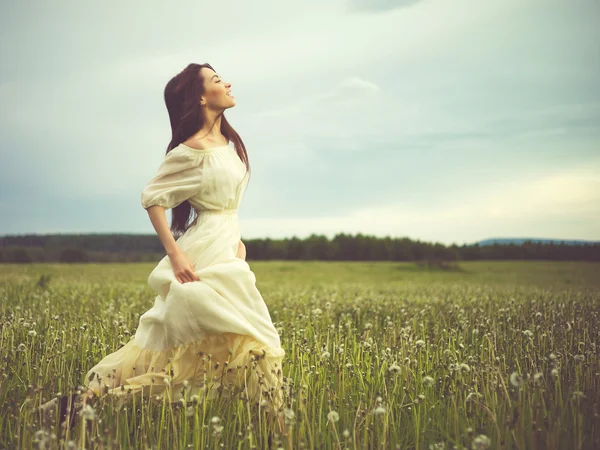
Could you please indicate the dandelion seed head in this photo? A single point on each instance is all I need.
(379, 410)
(515, 379)
(394, 368)
(333, 416)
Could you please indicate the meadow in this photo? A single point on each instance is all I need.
(379, 355)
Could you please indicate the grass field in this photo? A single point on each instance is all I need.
(378, 355)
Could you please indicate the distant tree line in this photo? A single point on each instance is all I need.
(343, 247)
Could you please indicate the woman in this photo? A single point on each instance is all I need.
(209, 331)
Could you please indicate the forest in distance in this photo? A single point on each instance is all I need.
(79, 248)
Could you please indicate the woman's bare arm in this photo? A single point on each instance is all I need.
(182, 267)
(241, 252)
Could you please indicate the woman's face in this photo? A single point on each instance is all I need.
(217, 92)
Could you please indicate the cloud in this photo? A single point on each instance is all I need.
(379, 5)
(542, 206)
(349, 91)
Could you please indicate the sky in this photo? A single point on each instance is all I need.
(437, 120)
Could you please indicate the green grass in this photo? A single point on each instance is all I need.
(406, 357)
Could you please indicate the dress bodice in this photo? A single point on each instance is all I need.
(210, 179)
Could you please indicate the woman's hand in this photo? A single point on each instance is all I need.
(183, 268)
(241, 251)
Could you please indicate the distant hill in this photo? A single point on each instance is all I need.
(521, 241)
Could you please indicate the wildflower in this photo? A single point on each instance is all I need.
(516, 380)
(87, 412)
(475, 332)
(325, 355)
(437, 446)
(189, 412)
(317, 311)
(420, 343)
(195, 398)
(22, 347)
(537, 376)
(32, 333)
(379, 410)
(554, 372)
(464, 367)
(368, 326)
(394, 368)
(346, 433)
(215, 419)
(288, 416)
(428, 381)
(333, 416)
(578, 395)
(473, 394)
(579, 358)
(481, 442)
(41, 437)
(528, 333)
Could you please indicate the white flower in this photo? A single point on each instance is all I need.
(437, 446)
(579, 358)
(368, 326)
(333, 416)
(428, 381)
(22, 347)
(87, 412)
(288, 416)
(379, 410)
(394, 368)
(464, 367)
(317, 311)
(420, 343)
(537, 376)
(325, 355)
(215, 419)
(481, 442)
(516, 380)
(527, 333)
(32, 333)
(554, 372)
(346, 433)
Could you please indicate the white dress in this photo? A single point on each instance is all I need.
(212, 337)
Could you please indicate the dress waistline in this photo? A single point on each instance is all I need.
(217, 211)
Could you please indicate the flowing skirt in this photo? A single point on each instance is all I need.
(212, 337)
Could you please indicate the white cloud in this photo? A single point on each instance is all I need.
(538, 206)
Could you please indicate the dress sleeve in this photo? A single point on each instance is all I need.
(177, 179)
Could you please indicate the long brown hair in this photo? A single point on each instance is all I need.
(182, 97)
